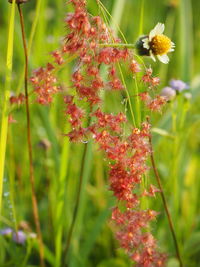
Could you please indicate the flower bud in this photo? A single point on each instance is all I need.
(168, 93)
(141, 50)
(178, 85)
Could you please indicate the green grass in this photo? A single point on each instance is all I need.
(176, 140)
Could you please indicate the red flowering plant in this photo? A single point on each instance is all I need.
(90, 41)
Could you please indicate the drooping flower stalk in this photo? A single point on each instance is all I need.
(31, 169)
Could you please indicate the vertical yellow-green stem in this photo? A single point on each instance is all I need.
(116, 15)
(186, 39)
(34, 25)
(60, 203)
(4, 121)
(137, 104)
(175, 158)
(11, 173)
(141, 18)
(128, 96)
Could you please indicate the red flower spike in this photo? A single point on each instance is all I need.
(127, 154)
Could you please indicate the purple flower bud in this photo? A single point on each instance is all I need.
(168, 93)
(19, 237)
(6, 231)
(178, 85)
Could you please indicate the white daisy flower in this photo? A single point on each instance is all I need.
(156, 44)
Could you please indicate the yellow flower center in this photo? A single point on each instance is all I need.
(160, 44)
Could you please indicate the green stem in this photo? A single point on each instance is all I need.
(31, 169)
(132, 46)
(165, 203)
(128, 95)
(60, 202)
(77, 203)
(114, 20)
(137, 106)
(4, 121)
(11, 170)
(141, 18)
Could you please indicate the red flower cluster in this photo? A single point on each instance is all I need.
(134, 66)
(84, 39)
(45, 84)
(75, 112)
(127, 154)
(148, 79)
(154, 103)
(17, 99)
(139, 244)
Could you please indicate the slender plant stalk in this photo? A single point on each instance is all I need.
(60, 199)
(11, 170)
(117, 15)
(114, 20)
(137, 103)
(118, 45)
(165, 204)
(4, 120)
(77, 203)
(141, 18)
(128, 95)
(31, 169)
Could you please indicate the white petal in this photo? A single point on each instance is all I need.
(152, 56)
(163, 58)
(146, 43)
(158, 29)
(173, 44)
(172, 47)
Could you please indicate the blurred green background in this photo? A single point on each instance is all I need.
(57, 165)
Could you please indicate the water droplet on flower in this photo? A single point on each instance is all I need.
(84, 141)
